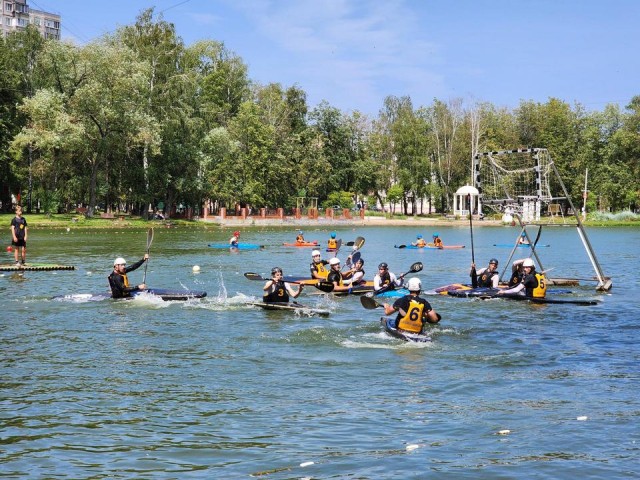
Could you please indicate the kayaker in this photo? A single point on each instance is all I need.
(300, 237)
(19, 237)
(385, 279)
(318, 267)
(335, 276)
(332, 243)
(413, 311)
(517, 273)
(532, 285)
(437, 241)
(355, 276)
(118, 280)
(233, 241)
(523, 239)
(420, 242)
(488, 276)
(277, 290)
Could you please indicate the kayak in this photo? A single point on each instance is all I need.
(165, 294)
(520, 245)
(313, 281)
(300, 244)
(34, 267)
(429, 246)
(388, 324)
(486, 293)
(240, 246)
(445, 289)
(398, 292)
(291, 307)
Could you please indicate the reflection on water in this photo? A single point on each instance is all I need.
(215, 388)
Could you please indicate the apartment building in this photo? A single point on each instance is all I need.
(16, 15)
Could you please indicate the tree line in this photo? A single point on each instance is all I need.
(138, 118)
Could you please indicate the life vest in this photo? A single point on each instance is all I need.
(421, 243)
(299, 239)
(124, 279)
(332, 243)
(320, 269)
(277, 293)
(385, 279)
(485, 280)
(437, 242)
(516, 278)
(413, 320)
(335, 277)
(541, 290)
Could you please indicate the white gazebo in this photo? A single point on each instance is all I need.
(466, 199)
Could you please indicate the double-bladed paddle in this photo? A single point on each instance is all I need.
(369, 302)
(415, 268)
(149, 241)
(324, 286)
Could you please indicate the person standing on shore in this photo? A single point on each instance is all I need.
(19, 236)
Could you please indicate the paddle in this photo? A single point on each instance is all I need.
(324, 286)
(474, 277)
(355, 256)
(415, 268)
(369, 302)
(149, 240)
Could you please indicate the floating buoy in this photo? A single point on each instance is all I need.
(504, 432)
(196, 269)
(581, 418)
(68, 229)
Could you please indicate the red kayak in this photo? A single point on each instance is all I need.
(301, 244)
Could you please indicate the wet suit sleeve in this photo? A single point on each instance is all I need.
(133, 267)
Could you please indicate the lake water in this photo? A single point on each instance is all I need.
(216, 389)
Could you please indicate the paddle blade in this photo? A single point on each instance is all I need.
(355, 257)
(369, 303)
(253, 276)
(416, 267)
(359, 243)
(474, 278)
(326, 287)
(149, 239)
(400, 246)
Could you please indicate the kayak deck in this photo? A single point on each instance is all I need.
(388, 326)
(165, 294)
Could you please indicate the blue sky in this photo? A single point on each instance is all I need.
(353, 53)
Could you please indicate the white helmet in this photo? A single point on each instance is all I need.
(527, 262)
(414, 285)
(119, 261)
(315, 252)
(334, 261)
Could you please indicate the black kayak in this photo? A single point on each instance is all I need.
(291, 307)
(486, 293)
(165, 294)
(388, 324)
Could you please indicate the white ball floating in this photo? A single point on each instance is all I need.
(195, 269)
(68, 229)
(582, 418)
(504, 432)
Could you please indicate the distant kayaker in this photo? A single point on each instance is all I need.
(487, 277)
(532, 285)
(118, 280)
(420, 242)
(332, 243)
(523, 239)
(19, 237)
(414, 312)
(300, 237)
(318, 267)
(277, 290)
(335, 276)
(385, 279)
(437, 241)
(233, 241)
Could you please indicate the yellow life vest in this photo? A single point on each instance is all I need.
(332, 243)
(421, 243)
(412, 321)
(541, 290)
(321, 270)
(125, 279)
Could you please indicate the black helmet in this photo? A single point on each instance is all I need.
(493, 260)
(275, 270)
(383, 265)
